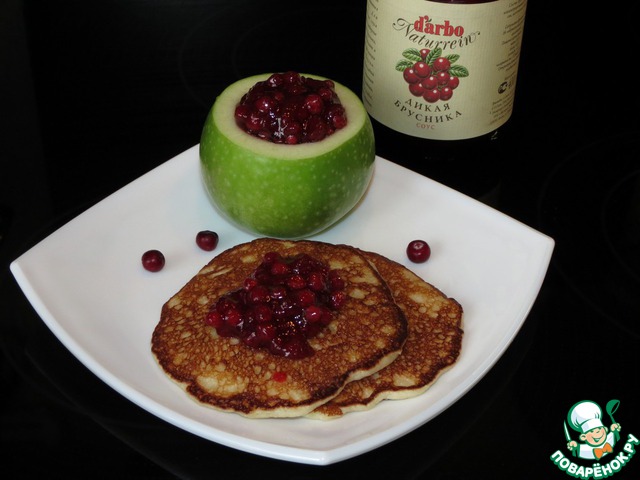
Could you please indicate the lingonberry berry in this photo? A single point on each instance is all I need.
(432, 95)
(443, 78)
(446, 93)
(422, 69)
(153, 260)
(416, 89)
(410, 76)
(314, 103)
(430, 82)
(418, 251)
(441, 63)
(207, 240)
(453, 82)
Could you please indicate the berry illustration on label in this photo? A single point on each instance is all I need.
(429, 74)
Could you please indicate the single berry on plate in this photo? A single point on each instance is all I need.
(418, 251)
(153, 260)
(207, 240)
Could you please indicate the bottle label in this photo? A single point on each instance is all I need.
(442, 71)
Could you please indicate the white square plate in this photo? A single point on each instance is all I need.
(86, 282)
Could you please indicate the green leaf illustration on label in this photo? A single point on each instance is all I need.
(404, 64)
(458, 71)
(412, 54)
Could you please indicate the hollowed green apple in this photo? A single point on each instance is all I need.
(285, 191)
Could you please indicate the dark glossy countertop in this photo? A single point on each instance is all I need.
(94, 94)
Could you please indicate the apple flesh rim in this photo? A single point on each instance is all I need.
(285, 191)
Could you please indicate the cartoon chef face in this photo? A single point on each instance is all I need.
(595, 437)
(586, 417)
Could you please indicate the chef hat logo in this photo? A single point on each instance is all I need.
(585, 416)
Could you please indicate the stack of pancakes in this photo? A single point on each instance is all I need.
(392, 338)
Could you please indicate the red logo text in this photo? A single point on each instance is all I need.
(425, 25)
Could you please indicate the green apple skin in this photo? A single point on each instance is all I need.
(285, 191)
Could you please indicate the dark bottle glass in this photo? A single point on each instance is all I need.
(457, 135)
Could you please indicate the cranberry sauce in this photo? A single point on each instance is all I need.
(282, 304)
(290, 108)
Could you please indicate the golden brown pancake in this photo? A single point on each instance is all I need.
(432, 346)
(222, 372)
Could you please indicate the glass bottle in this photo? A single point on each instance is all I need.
(439, 82)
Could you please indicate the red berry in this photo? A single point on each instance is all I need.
(265, 104)
(432, 95)
(314, 103)
(446, 93)
(280, 268)
(233, 318)
(410, 76)
(441, 63)
(335, 281)
(430, 82)
(313, 313)
(258, 294)
(296, 282)
(416, 89)
(266, 331)
(443, 78)
(453, 82)
(249, 283)
(422, 69)
(338, 299)
(339, 121)
(424, 52)
(263, 314)
(335, 115)
(214, 319)
(418, 251)
(153, 260)
(207, 240)
(254, 122)
(326, 94)
(305, 298)
(242, 113)
(315, 281)
(275, 80)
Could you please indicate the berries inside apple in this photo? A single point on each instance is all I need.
(286, 155)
